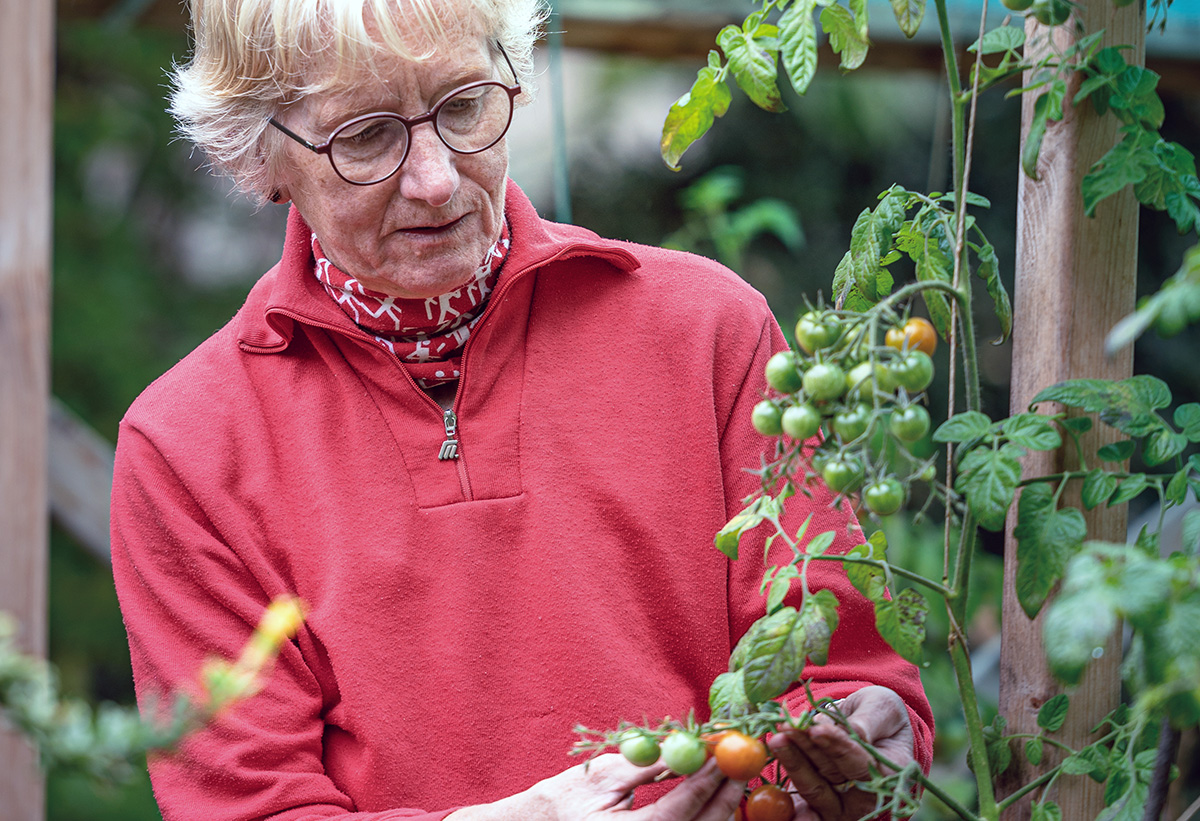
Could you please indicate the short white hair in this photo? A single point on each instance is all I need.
(252, 57)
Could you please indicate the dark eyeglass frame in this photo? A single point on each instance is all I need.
(410, 123)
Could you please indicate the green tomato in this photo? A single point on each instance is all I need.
(1017, 5)
(782, 373)
(885, 497)
(852, 423)
(824, 382)
(928, 474)
(913, 371)
(801, 422)
(767, 418)
(909, 424)
(639, 748)
(683, 752)
(1051, 12)
(843, 474)
(816, 330)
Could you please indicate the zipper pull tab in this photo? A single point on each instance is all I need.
(450, 446)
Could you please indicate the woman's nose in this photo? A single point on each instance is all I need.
(430, 171)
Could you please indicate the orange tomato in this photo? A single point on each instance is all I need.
(916, 335)
(739, 756)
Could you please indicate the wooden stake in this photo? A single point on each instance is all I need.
(1075, 277)
(26, 95)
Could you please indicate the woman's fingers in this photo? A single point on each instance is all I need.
(707, 795)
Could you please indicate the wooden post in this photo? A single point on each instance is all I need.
(1075, 277)
(26, 98)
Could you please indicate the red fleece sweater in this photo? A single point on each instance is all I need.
(464, 615)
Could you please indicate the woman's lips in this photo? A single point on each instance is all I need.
(433, 229)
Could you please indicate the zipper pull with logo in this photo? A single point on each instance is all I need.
(450, 446)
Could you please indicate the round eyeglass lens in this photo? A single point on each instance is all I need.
(369, 150)
(474, 118)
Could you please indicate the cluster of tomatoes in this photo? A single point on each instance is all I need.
(739, 756)
(849, 390)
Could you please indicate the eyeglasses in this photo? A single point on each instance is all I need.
(371, 148)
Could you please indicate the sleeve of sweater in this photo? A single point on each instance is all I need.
(858, 656)
(185, 597)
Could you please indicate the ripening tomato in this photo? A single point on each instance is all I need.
(684, 752)
(916, 335)
(639, 748)
(769, 803)
(739, 756)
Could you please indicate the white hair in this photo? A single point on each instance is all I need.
(252, 57)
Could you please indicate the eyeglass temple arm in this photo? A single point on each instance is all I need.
(294, 135)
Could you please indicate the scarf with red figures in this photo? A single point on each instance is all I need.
(426, 335)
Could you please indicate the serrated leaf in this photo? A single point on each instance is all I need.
(901, 623)
(989, 272)
(798, 44)
(1075, 629)
(1046, 540)
(963, 427)
(999, 40)
(1091, 761)
(1033, 431)
(1125, 797)
(753, 67)
(1162, 446)
(730, 535)
(820, 543)
(1079, 424)
(692, 115)
(1048, 811)
(817, 621)
(1098, 486)
(909, 14)
(774, 656)
(1054, 712)
(1129, 405)
(989, 479)
(1187, 419)
(779, 585)
(867, 580)
(1116, 451)
(844, 36)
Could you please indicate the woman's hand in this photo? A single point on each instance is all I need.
(603, 789)
(823, 760)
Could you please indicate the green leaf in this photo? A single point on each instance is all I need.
(999, 40)
(820, 543)
(1079, 424)
(1191, 533)
(988, 478)
(1047, 107)
(1126, 163)
(727, 696)
(692, 115)
(1187, 419)
(1130, 487)
(989, 272)
(1116, 451)
(901, 623)
(1128, 405)
(1054, 712)
(1090, 761)
(844, 36)
(1033, 750)
(779, 584)
(1098, 486)
(909, 14)
(1033, 431)
(1075, 630)
(774, 656)
(798, 44)
(963, 427)
(1048, 811)
(867, 580)
(999, 753)
(817, 621)
(1046, 540)
(1163, 445)
(1125, 797)
(753, 67)
(1144, 591)
(730, 535)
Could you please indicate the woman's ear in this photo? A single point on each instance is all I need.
(280, 195)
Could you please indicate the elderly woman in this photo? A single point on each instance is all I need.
(489, 452)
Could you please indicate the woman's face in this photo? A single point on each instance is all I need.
(426, 229)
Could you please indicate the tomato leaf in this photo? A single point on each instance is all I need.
(1116, 451)
(816, 623)
(868, 580)
(773, 656)
(1091, 761)
(1187, 417)
(730, 535)
(727, 696)
(1128, 405)
(692, 115)
(845, 36)
(1190, 543)
(1033, 750)
(963, 427)
(798, 43)
(999, 40)
(901, 622)
(1048, 106)
(1130, 488)
(1047, 811)
(988, 477)
(1074, 629)
(909, 14)
(1047, 538)
(1125, 797)
(1033, 431)
(1053, 713)
(753, 67)
(1098, 486)
(779, 585)
(989, 272)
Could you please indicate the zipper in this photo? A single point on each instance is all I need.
(450, 446)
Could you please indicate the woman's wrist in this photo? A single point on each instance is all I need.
(531, 804)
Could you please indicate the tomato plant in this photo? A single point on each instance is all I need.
(684, 752)
(916, 335)
(909, 424)
(816, 330)
(769, 803)
(913, 371)
(767, 418)
(852, 422)
(739, 756)
(824, 382)
(885, 497)
(801, 421)
(782, 373)
(843, 474)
